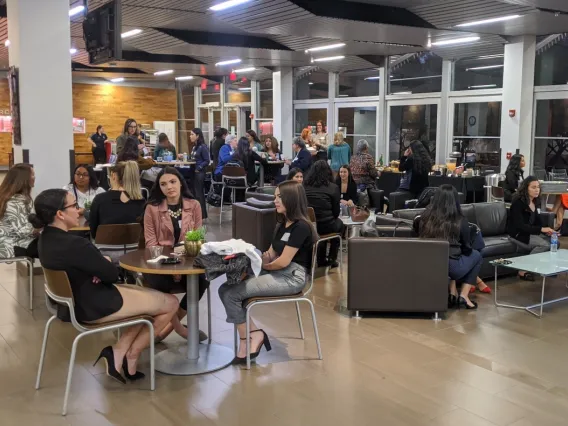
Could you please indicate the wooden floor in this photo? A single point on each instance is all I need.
(490, 367)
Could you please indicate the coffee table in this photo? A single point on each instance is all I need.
(544, 264)
(352, 225)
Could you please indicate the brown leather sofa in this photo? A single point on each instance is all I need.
(397, 275)
(254, 225)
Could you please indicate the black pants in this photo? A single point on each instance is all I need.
(336, 226)
(165, 283)
(30, 251)
(99, 155)
(199, 191)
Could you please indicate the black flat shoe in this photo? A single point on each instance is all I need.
(108, 355)
(462, 302)
(527, 277)
(136, 376)
(265, 342)
(333, 264)
(452, 300)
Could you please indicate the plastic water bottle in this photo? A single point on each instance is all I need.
(554, 243)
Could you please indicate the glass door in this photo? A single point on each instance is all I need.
(358, 121)
(238, 119)
(550, 145)
(308, 116)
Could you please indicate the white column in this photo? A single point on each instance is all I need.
(283, 84)
(518, 95)
(382, 126)
(445, 128)
(39, 34)
(333, 78)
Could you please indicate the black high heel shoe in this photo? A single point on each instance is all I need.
(133, 377)
(452, 301)
(265, 342)
(463, 302)
(108, 355)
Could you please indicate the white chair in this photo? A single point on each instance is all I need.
(30, 262)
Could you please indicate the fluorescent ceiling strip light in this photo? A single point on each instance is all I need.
(490, 56)
(416, 78)
(482, 86)
(229, 62)
(165, 72)
(310, 83)
(244, 70)
(227, 4)
(343, 96)
(131, 33)
(455, 41)
(245, 89)
(402, 93)
(376, 77)
(187, 77)
(76, 10)
(328, 47)
(329, 58)
(117, 80)
(487, 67)
(489, 21)
(72, 50)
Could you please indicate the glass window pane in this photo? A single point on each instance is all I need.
(358, 123)
(477, 119)
(265, 107)
(551, 66)
(312, 86)
(359, 83)
(552, 118)
(409, 123)
(309, 117)
(550, 154)
(188, 102)
(212, 93)
(265, 127)
(239, 91)
(421, 74)
(484, 72)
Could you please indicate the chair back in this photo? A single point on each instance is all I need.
(234, 177)
(145, 193)
(312, 214)
(497, 193)
(558, 175)
(57, 283)
(141, 238)
(118, 235)
(540, 174)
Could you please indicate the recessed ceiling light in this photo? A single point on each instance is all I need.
(131, 33)
(244, 70)
(7, 43)
(489, 21)
(455, 41)
(229, 62)
(487, 67)
(227, 4)
(402, 93)
(72, 50)
(165, 72)
(310, 83)
(76, 10)
(117, 80)
(329, 58)
(187, 77)
(482, 86)
(328, 47)
(245, 89)
(375, 77)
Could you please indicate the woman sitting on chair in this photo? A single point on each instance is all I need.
(285, 265)
(97, 299)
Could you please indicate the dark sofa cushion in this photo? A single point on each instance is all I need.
(408, 214)
(498, 246)
(260, 204)
(491, 218)
(469, 213)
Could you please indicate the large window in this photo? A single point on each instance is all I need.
(314, 85)
(239, 91)
(212, 93)
(409, 123)
(420, 74)
(478, 126)
(265, 99)
(308, 117)
(186, 119)
(552, 64)
(551, 135)
(358, 123)
(359, 83)
(483, 72)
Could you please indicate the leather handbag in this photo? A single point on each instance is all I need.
(359, 214)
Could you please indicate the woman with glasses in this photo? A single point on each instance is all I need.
(92, 277)
(84, 186)
(130, 130)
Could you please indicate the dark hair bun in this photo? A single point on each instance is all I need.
(36, 221)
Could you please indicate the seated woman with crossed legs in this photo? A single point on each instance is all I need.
(92, 277)
(285, 266)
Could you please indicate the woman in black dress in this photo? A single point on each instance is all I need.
(347, 187)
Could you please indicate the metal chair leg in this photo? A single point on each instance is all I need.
(70, 373)
(222, 198)
(340, 255)
(247, 336)
(43, 348)
(236, 340)
(320, 356)
(31, 278)
(152, 354)
(300, 320)
(209, 328)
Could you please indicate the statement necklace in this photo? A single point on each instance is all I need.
(175, 213)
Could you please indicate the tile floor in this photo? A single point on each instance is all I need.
(493, 367)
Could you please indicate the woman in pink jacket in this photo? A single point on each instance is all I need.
(170, 213)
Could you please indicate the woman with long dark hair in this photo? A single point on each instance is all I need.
(130, 152)
(84, 186)
(271, 152)
(171, 212)
(216, 145)
(524, 223)
(254, 141)
(324, 197)
(417, 164)
(296, 175)
(245, 156)
(513, 176)
(200, 153)
(443, 219)
(347, 187)
(17, 235)
(285, 265)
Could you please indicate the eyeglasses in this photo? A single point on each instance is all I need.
(82, 175)
(133, 126)
(75, 204)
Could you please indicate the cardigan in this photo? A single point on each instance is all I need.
(158, 227)
(15, 229)
(351, 193)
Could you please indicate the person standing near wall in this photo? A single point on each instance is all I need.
(202, 159)
(97, 141)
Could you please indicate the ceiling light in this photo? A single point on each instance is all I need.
(402, 93)
(165, 72)
(76, 10)
(455, 41)
(117, 80)
(491, 56)
(310, 83)
(482, 86)
(343, 96)
(227, 4)
(72, 50)
(489, 21)
(424, 77)
(229, 62)
(245, 89)
(131, 33)
(329, 58)
(187, 77)
(328, 47)
(375, 77)
(244, 70)
(487, 67)
(7, 43)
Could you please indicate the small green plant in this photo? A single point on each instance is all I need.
(88, 205)
(196, 235)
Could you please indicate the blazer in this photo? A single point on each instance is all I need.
(63, 251)
(518, 225)
(201, 154)
(511, 184)
(351, 193)
(303, 160)
(158, 227)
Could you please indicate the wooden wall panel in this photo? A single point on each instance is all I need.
(108, 105)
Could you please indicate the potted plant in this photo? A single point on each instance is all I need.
(87, 208)
(194, 240)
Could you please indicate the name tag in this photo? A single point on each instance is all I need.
(538, 211)
(285, 237)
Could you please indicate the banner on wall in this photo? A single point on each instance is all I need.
(13, 83)
(6, 125)
(79, 125)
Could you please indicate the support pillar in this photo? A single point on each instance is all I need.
(283, 84)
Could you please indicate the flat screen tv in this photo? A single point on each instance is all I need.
(101, 30)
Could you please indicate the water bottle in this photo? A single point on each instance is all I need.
(554, 243)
